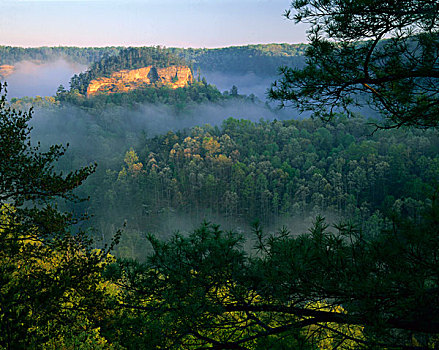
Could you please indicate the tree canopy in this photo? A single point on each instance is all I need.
(381, 54)
(330, 288)
(346, 286)
(50, 277)
(326, 289)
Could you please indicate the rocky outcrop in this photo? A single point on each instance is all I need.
(127, 80)
(6, 70)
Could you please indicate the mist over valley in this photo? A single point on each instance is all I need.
(237, 189)
(33, 78)
(122, 130)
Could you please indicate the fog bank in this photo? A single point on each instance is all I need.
(35, 78)
(247, 84)
(100, 137)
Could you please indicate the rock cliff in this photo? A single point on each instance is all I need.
(127, 80)
(6, 70)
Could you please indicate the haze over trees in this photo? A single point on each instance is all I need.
(365, 278)
(252, 67)
(345, 285)
(277, 172)
(261, 58)
(83, 55)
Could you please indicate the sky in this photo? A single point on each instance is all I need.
(171, 23)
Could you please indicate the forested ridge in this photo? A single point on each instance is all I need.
(263, 59)
(329, 224)
(84, 55)
(195, 93)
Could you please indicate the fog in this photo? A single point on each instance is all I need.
(247, 84)
(104, 137)
(133, 243)
(100, 136)
(32, 78)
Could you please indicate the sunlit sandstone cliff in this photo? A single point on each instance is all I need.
(127, 80)
(6, 70)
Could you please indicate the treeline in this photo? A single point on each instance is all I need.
(261, 60)
(272, 171)
(178, 99)
(83, 55)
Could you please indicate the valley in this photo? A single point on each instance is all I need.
(266, 196)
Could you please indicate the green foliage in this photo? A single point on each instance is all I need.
(381, 54)
(50, 276)
(178, 98)
(196, 276)
(325, 289)
(273, 171)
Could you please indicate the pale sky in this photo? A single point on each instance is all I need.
(180, 23)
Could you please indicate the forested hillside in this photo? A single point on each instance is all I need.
(251, 68)
(277, 172)
(185, 217)
(196, 93)
(259, 59)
